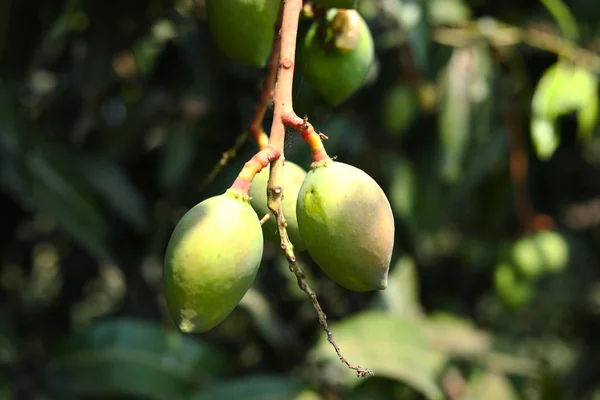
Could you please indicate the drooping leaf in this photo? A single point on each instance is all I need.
(132, 357)
(393, 347)
(259, 387)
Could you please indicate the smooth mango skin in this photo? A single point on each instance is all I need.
(211, 261)
(347, 224)
(244, 29)
(335, 73)
(293, 176)
(336, 3)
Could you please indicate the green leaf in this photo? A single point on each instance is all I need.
(393, 347)
(545, 137)
(401, 298)
(60, 193)
(564, 88)
(178, 155)
(490, 386)
(259, 387)
(448, 12)
(399, 109)
(456, 336)
(132, 357)
(266, 320)
(466, 93)
(112, 183)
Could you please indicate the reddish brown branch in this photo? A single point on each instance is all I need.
(284, 113)
(519, 164)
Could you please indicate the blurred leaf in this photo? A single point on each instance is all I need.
(490, 386)
(486, 156)
(266, 320)
(8, 340)
(401, 298)
(259, 387)
(111, 181)
(6, 387)
(467, 86)
(456, 336)
(71, 204)
(562, 89)
(178, 155)
(132, 357)
(545, 137)
(399, 109)
(411, 16)
(448, 12)
(564, 18)
(393, 347)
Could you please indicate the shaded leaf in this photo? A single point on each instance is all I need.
(178, 155)
(399, 109)
(112, 183)
(266, 320)
(132, 357)
(393, 347)
(259, 387)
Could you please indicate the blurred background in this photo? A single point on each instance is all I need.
(478, 120)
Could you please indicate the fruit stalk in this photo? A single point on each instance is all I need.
(256, 128)
(241, 185)
(283, 115)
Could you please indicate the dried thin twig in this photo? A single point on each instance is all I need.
(502, 35)
(284, 115)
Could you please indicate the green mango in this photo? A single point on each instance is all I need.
(336, 3)
(244, 29)
(338, 65)
(513, 289)
(347, 225)
(211, 261)
(293, 176)
(540, 252)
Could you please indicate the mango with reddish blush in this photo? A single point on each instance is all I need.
(347, 225)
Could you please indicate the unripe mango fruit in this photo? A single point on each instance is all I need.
(293, 176)
(347, 225)
(211, 261)
(540, 252)
(336, 66)
(244, 29)
(336, 3)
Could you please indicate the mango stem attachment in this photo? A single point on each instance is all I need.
(241, 185)
(283, 112)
